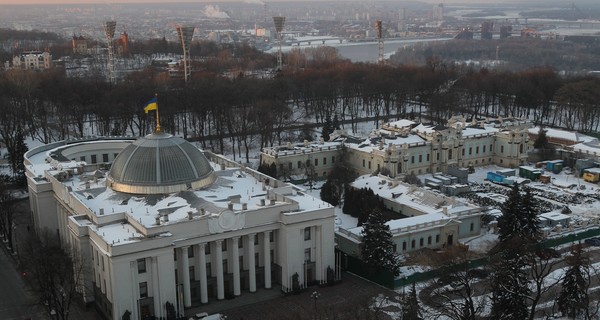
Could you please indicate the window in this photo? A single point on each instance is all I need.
(241, 258)
(271, 237)
(174, 254)
(256, 239)
(521, 148)
(141, 265)
(412, 244)
(437, 238)
(94, 158)
(463, 152)
(369, 164)
(470, 150)
(421, 242)
(412, 159)
(420, 158)
(224, 245)
(333, 159)
(437, 156)
(256, 257)
(299, 164)
(316, 162)
(105, 157)
(472, 226)
(272, 256)
(191, 252)
(97, 260)
(307, 255)
(308, 163)
(491, 148)
(102, 263)
(395, 247)
(324, 161)
(449, 154)
(378, 167)
(192, 273)
(240, 243)
(143, 289)
(483, 149)
(306, 233)
(501, 149)
(207, 248)
(427, 157)
(208, 270)
(82, 158)
(290, 166)
(225, 266)
(476, 150)
(363, 163)
(403, 245)
(429, 240)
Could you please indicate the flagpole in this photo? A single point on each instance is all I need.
(157, 118)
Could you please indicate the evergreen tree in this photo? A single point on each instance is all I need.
(327, 129)
(530, 221)
(15, 157)
(510, 223)
(377, 246)
(410, 305)
(328, 194)
(541, 142)
(510, 284)
(573, 299)
(336, 122)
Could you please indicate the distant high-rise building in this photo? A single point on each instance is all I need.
(486, 30)
(438, 12)
(505, 32)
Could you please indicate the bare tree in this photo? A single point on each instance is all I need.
(55, 274)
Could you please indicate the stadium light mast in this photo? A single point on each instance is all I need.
(379, 30)
(185, 37)
(279, 23)
(109, 32)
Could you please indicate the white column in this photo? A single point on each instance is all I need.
(251, 263)
(219, 265)
(318, 258)
(135, 295)
(156, 288)
(267, 259)
(235, 252)
(185, 277)
(203, 278)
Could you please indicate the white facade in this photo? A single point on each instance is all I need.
(33, 60)
(245, 231)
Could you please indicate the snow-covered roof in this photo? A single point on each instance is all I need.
(572, 136)
(554, 216)
(472, 131)
(371, 144)
(400, 123)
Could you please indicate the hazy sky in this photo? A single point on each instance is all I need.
(211, 1)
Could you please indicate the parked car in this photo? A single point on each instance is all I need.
(593, 241)
(478, 273)
(548, 253)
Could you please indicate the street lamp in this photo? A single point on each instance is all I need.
(315, 296)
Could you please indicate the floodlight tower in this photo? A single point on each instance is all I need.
(185, 37)
(109, 32)
(279, 23)
(379, 39)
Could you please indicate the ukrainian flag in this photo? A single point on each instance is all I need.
(151, 105)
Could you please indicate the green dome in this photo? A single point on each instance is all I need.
(160, 163)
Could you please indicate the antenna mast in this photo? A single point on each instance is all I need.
(109, 32)
(279, 23)
(185, 37)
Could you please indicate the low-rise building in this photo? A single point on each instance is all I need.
(32, 60)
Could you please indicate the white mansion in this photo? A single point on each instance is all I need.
(405, 147)
(165, 224)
